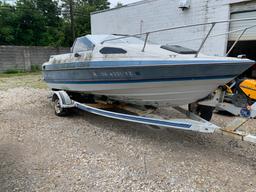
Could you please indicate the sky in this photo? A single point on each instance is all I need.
(114, 2)
(9, 1)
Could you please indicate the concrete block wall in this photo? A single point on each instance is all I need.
(23, 57)
(151, 15)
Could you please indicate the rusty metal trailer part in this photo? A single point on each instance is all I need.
(63, 102)
(220, 104)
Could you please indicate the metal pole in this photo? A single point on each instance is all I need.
(234, 44)
(145, 42)
(141, 25)
(206, 37)
(72, 19)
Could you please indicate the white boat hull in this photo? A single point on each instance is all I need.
(170, 93)
(156, 76)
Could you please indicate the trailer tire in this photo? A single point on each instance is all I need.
(59, 111)
(204, 112)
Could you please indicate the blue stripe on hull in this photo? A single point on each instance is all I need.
(122, 63)
(139, 81)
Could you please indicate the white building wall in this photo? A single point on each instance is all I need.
(151, 15)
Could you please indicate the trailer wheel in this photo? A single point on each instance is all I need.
(204, 112)
(59, 111)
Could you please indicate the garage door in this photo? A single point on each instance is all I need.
(240, 11)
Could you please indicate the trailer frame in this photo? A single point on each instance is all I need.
(193, 122)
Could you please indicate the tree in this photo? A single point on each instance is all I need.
(99, 4)
(7, 21)
(81, 15)
(46, 22)
(38, 22)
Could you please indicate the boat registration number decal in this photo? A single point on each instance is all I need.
(115, 74)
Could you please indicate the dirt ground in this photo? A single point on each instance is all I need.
(85, 152)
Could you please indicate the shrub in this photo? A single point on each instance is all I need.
(35, 68)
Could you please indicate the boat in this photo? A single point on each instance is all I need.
(132, 70)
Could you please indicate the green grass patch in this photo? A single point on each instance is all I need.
(12, 71)
(20, 73)
(35, 69)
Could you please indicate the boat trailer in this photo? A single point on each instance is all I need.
(63, 103)
(218, 102)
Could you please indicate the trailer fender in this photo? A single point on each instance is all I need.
(63, 97)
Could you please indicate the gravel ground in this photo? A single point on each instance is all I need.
(85, 152)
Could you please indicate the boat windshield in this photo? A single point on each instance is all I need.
(82, 44)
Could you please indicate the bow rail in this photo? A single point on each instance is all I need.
(212, 25)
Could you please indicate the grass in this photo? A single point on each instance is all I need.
(21, 79)
(12, 71)
(17, 74)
